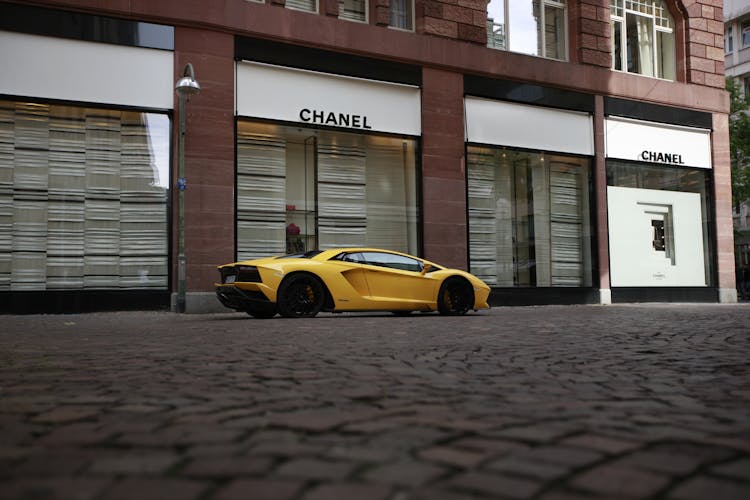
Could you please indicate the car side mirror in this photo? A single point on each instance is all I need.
(426, 268)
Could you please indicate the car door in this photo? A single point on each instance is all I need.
(397, 278)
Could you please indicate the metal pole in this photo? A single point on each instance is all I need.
(181, 185)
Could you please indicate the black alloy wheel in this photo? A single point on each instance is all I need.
(300, 296)
(456, 297)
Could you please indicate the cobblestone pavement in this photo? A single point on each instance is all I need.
(555, 403)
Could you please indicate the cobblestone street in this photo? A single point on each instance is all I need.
(555, 403)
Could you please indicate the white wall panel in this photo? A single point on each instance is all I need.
(292, 95)
(633, 259)
(637, 140)
(72, 70)
(530, 127)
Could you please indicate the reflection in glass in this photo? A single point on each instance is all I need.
(535, 27)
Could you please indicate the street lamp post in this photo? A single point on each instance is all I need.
(185, 87)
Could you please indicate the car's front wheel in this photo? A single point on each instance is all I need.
(300, 296)
(456, 297)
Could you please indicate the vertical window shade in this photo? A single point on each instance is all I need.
(261, 194)
(342, 195)
(83, 198)
(528, 219)
(301, 189)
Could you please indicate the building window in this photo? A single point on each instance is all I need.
(529, 218)
(83, 198)
(745, 34)
(353, 10)
(304, 5)
(643, 37)
(659, 225)
(300, 189)
(729, 40)
(402, 14)
(536, 27)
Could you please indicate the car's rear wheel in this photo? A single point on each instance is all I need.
(263, 312)
(456, 297)
(300, 296)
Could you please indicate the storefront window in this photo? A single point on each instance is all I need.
(535, 27)
(83, 198)
(529, 218)
(300, 189)
(660, 225)
(643, 38)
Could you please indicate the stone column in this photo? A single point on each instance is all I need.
(209, 162)
(443, 168)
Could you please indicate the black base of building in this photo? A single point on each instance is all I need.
(542, 296)
(665, 294)
(67, 302)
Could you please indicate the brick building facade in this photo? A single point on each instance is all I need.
(440, 52)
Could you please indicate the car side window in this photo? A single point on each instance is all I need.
(392, 261)
(354, 257)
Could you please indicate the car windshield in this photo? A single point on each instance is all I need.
(305, 255)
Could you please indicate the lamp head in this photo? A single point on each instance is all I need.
(187, 85)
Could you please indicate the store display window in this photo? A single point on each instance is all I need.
(659, 225)
(529, 218)
(83, 198)
(301, 189)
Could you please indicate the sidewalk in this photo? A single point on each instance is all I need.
(554, 403)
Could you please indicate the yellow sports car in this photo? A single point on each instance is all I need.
(347, 279)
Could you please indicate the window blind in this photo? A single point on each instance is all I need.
(82, 205)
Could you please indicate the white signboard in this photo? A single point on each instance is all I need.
(658, 143)
(531, 127)
(74, 70)
(321, 99)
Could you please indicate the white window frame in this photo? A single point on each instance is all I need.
(622, 19)
(559, 4)
(366, 20)
(410, 7)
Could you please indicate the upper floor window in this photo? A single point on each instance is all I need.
(746, 33)
(729, 40)
(402, 14)
(643, 37)
(306, 5)
(353, 10)
(535, 27)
